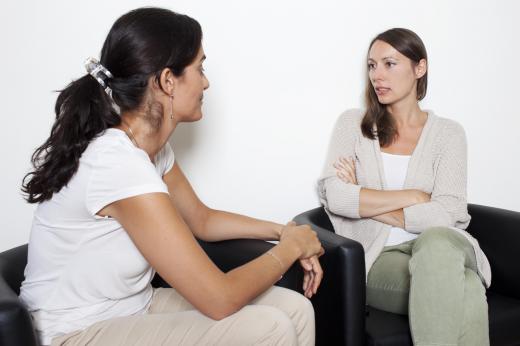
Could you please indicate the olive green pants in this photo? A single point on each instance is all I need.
(434, 280)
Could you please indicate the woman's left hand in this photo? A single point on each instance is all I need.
(346, 170)
(312, 275)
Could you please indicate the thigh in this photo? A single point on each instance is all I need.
(438, 241)
(168, 300)
(388, 283)
(252, 325)
(296, 306)
(289, 301)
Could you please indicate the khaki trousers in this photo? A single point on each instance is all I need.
(277, 317)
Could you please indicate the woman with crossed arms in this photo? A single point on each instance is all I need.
(395, 180)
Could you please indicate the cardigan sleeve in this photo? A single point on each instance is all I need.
(448, 204)
(335, 195)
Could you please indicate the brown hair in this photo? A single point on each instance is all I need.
(410, 45)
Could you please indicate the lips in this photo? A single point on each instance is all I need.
(380, 91)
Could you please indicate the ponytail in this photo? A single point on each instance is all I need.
(140, 44)
(83, 111)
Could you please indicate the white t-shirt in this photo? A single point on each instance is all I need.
(395, 168)
(83, 268)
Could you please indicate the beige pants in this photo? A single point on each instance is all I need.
(277, 317)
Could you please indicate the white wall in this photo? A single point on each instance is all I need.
(280, 73)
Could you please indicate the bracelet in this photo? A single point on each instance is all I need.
(269, 252)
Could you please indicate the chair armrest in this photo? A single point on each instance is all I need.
(340, 302)
(230, 254)
(498, 233)
(15, 322)
(12, 266)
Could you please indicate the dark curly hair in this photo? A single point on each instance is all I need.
(140, 45)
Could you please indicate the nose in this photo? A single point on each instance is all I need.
(377, 73)
(206, 82)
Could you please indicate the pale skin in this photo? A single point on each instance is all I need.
(394, 78)
(164, 227)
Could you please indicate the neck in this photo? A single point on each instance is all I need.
(406, 112)
(143, 136)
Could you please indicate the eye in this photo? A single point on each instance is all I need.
(390, 63)
(201, 69)
(371, 65)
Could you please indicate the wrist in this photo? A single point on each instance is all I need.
(412, 197)
(291, 248)
(278, 230)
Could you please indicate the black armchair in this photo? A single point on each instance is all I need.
(498, 232)
(331, 318)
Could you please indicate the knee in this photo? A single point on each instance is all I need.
(437, 238)
(299, 306)
(436, 249)
(271, 326)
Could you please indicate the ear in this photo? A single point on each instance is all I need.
(421, 68)
(167, 81)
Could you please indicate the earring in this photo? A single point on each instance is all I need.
(171, 114)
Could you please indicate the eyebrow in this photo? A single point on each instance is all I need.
(385, 58)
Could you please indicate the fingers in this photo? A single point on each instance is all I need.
(306, 264)
(318, 274)
(308, 291)
(312, 277)
(306, 280)
(346, 170)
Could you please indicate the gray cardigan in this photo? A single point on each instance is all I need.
(437, 166)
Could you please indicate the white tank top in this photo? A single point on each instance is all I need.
(395, 167)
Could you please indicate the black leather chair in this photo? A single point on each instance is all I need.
(343, 259)
(498, 232)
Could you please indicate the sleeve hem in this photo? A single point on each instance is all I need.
(94, 208)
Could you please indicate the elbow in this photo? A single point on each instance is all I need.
(222, 310)
(201, 226)
(340, 198)
(221, 314)
(222, 305)
(338, 208)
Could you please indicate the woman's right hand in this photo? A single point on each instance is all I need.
(303, 238)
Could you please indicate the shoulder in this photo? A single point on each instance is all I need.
(447, 135)
(447, 127)
(350, 120)
(113, 147)
(113, 156)
(164, 159)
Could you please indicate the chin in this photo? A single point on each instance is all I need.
(384, 101)
(196, 117)
(387, 100)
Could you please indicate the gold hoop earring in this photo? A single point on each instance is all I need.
(171, 112)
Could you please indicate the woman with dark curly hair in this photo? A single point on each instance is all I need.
(114, 208)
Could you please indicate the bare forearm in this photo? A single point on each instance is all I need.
(222, 225)
(393, 218)
(376, 202)
(245, 283)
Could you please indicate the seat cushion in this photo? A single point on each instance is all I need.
(384, 328)
(504, 319)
